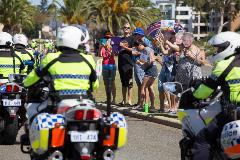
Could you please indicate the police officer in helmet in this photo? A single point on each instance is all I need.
(72, 73)
(20, 46)
(9, 61)
(226, 73)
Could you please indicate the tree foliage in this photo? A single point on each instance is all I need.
(108, 14)
(113, 13)
(43, 5)
(223, 7)
(74, 11)
(16, 14)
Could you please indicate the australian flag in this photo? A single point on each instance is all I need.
(153, 29)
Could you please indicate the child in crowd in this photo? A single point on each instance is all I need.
(148, 64)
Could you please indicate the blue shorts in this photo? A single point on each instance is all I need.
(105, 72)
(164, 76)
(152, 72)
(138, 74)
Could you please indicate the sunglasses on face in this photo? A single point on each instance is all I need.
(126, 27)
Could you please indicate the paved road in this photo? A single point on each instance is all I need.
(150, 141)
(147, 141)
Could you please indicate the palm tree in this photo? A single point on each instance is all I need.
(74, 11)
(43, 5)
(113, 13)
(16, 14)
(110, 14)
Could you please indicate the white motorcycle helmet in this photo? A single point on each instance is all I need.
(5, 39)
(20, 39)
(226, 44)
(72, 36)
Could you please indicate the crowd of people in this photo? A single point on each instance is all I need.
(139, 56)
(72, 72)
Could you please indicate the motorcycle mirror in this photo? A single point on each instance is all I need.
(11, 77)
(174, 88)
(18, 78)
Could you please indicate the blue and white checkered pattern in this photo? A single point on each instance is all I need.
(45, 120)
(72, 92)
(234, 81)
(118, 119)
(3, 88)
(8, 66)
(70, 76)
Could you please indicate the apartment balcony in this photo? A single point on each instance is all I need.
(199, 24)
(183, 8)
(183, 17)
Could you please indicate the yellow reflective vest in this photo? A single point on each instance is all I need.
(230, 86)
(25, 55)
(70, 74)
(8, 61)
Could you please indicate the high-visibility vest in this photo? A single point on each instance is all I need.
(8, 61)
(70, 74)
(25, 55)
(231, 84)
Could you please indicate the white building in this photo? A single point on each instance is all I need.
(167, 8)
(191, 20)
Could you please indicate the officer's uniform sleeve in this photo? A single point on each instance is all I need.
(31, 79)
(35, 75)
(203, 92)
(96, 84)
(210, 84)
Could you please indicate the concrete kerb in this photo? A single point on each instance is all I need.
(159, 118)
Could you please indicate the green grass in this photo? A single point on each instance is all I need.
(100, 94)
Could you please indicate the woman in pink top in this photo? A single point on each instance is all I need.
(109, 67)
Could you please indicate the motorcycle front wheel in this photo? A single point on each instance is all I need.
(186, 155)
(186, 145)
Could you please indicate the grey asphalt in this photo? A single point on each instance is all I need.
(150, 141)
(146, 140)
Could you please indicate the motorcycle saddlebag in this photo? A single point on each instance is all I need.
(46, 131)
(118, 131)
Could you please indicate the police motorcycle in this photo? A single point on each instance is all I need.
(196, 116)
(12, 111)
(73, 129)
